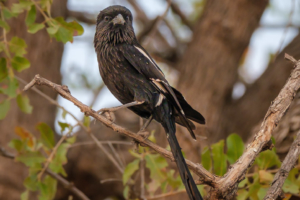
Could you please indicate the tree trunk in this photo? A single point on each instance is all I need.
(45, 56)
(209, 65)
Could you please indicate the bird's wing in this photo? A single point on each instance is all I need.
(144, 64)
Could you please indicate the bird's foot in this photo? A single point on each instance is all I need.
(108, 113)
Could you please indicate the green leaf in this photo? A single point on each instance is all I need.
(64, 31)
(63, 35)
(47, 135)
(71, 140)
(291, 185)
(10, 89)
(60, 159)
(48, 188)
(63, 126)
(134, 154)
(206, 159)
(3, 69)
(130, 169)
(20, 63)
(86, 121)
(31, 182)
(31, 14)
(16, 144)
(4, 108)
(17, 46)
(242, 194)
(25, 195)
(243, 183)
(76, 27)
(64, 114)
(235, 147)
(174, 182)
(33, 28)
(7, 13)
(52, 30)
(4, 25)
(262, 192)
(219, 158)
(126, 192)
(18, 8)
(156, 163)
(23, 103)
(31, 158)
(267, 159)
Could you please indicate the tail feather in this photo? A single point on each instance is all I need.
(184, 172)
(162, 114)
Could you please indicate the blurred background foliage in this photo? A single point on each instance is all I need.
(226, 57)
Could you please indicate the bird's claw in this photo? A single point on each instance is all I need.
(107, 113)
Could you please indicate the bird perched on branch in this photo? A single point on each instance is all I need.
(137, 82)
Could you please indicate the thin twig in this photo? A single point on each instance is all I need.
(165, 195)
(50, 158)
(142, 168)
(287, 165)
(116, 154)
(64, 182)
(102, 142)
(157, 22)
(286, 29)
(87, 130)
(111, 180)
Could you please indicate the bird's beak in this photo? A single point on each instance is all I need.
(118, 20)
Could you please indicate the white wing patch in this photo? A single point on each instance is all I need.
(160, 99)
(145, 54)
(158, 84)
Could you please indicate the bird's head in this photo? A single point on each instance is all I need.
(114, 26)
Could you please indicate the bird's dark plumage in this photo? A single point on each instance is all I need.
(132, 75)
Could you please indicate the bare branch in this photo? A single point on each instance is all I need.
(287, 165)
(82, 17)
(64, 182)
(157, 21)
(184, 19)
(204, 175)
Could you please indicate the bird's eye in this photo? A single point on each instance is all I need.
(127, 18)
(107, 18)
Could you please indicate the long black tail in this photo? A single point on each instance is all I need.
(168, 122)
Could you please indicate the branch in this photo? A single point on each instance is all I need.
(152, 29)
(87, 130)
(229, 183)
(64, 182)
(175, 8)
(82, 17)
(287, 165)
(205, 176)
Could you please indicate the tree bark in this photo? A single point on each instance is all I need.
(45, 56)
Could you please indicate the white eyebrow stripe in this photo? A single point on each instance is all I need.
(145, 54)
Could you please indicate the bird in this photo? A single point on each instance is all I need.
(134, 78)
